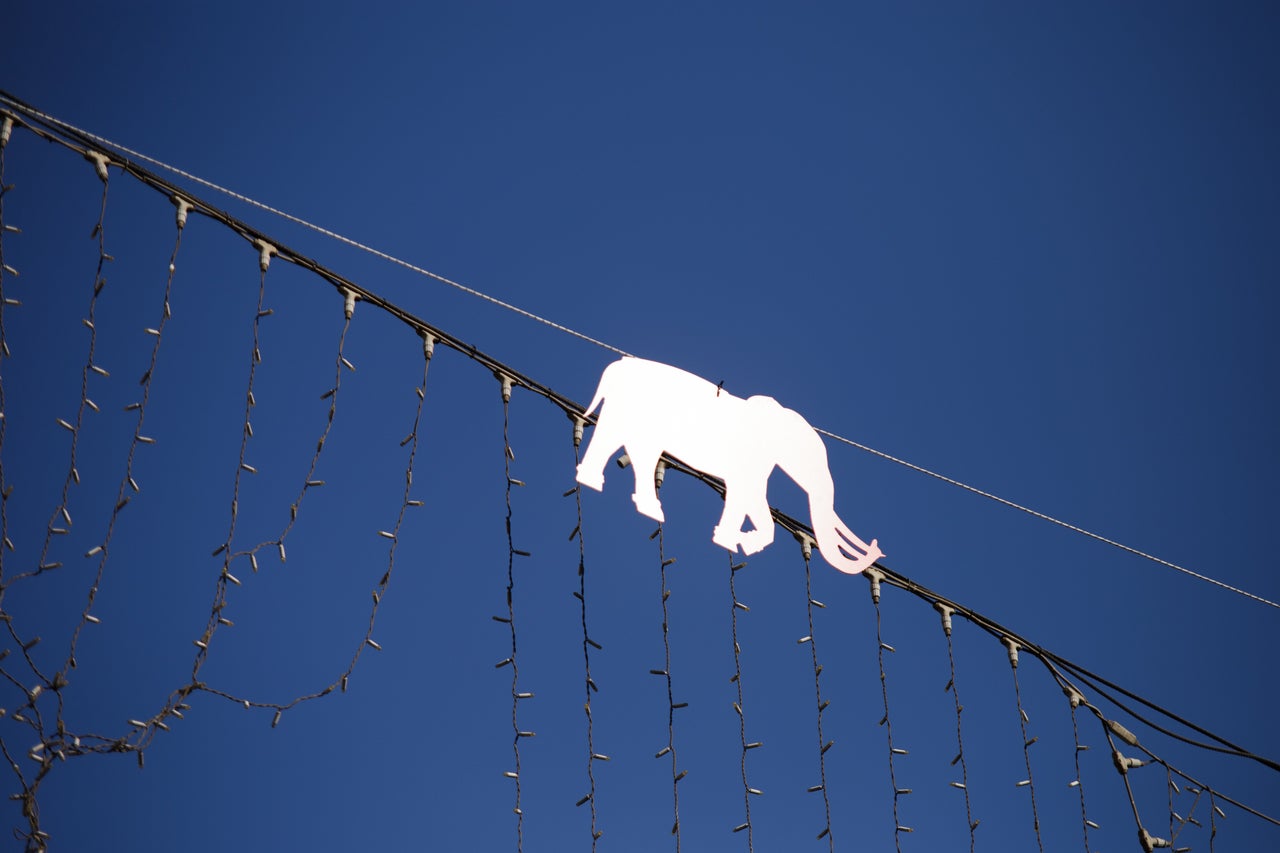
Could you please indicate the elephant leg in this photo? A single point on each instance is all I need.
(604, 443)
(762, 520)
(644, 462)
(728, 533)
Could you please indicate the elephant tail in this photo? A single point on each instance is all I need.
(840, 546)
(595, 402)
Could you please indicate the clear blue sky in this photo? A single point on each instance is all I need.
(1031, 248)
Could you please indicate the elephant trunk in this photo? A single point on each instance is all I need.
(839, 545)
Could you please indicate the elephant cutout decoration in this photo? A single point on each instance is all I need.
(651, 408)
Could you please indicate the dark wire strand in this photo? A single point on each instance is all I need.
(61, 513)
(225, 576)
(34, 834)
(1189, 818)
(886, 720)
(30, 805)
(823, 746)
(1051, 660)
(1124, 777)
(1110, 726)
(27, 798)
(366, 642)
(1095, 682)
(1030, 783)
(1079, 780)
(670, 749)
(589, 685)
(1213, 821)
(4, 356)
(954, 690)
(517, 734)
(747, 790)
(128, 487)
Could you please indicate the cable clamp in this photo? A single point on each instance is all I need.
(265, 251)
(428, 343)
(945, 611)
(579, 423)
(1075, 697)
(506, 385)
(806, 543)
(1150, 842)
(1122, 733)
(6, 130)
(659, 474)
(349, 306)
(875, 576)
(184, 207)
(1124, 764)
(1012, 646)
(100, 163)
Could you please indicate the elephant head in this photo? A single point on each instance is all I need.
(650, 408)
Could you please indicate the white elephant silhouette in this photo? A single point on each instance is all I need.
(651, 408)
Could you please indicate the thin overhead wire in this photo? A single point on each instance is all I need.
(297, 220)
(1040, 515)
(32, 112)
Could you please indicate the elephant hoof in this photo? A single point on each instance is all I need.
(592, 482)
(755, 541)
(729, 543)
(651, 508)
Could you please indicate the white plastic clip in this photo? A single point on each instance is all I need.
(1012, 646)
(506, 385)
(1122, 733)
(184, 207)
(1075, 697)
(265, 250)
(875, 576)
(1150, 842)
(100, 163)
(659, 474)
(579, 424)
(945, 611)
(1125, 764)
(349, 307)
(428, 343)
(6, 130)
(806, 544)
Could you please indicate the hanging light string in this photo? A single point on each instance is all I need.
(589, 684)
(1030, 782)
(670, 749)
(806, 550)
(951, 687)
(87, 136)
(875, 577)
(570, 407)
